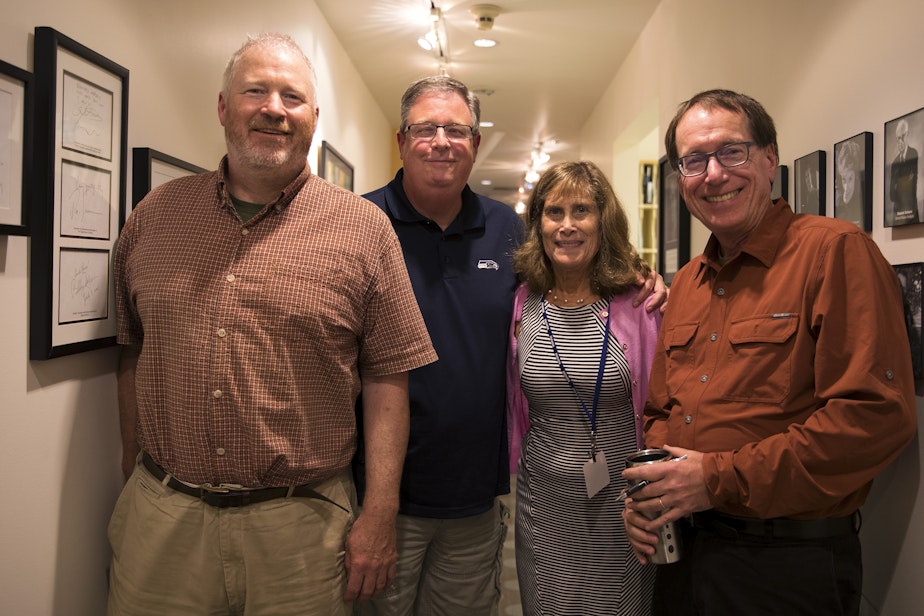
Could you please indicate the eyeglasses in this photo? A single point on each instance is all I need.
(731, 155)
(427, 131)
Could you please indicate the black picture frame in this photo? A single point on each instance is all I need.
(809, 183)
(334, 167)
(780, 188)
(853, 180)
(16, 137)
(673, 223)
(151, 168)
(81, 129)
(903, 201)
(910, 276)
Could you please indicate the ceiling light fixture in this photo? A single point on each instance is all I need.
(485, 43)
(435, 39)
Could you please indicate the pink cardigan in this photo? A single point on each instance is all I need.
(634, 328)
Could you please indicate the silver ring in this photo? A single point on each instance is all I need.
(663, 506)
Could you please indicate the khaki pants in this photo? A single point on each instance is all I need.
(446, 567)
(175, 555)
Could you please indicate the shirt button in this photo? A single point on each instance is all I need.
(890, 375)
(245, 231)
(720, 291)
(220, 451)
(625, 347)
(230, 277)
(688, 419)
(713, 337)
(217, 394)
(221, 332)
(703, 378)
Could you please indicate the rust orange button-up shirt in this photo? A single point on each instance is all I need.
(789, 366)
(254, 335)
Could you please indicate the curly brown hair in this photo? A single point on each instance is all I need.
(617, 263)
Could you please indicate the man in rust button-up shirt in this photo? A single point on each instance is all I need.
(784, 376)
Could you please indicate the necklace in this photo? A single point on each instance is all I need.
(565, 300)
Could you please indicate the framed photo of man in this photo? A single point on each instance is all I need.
(810, 183)
(910, 276)
(903, 202)
(673, 223)
(853, 180)
(780, 183)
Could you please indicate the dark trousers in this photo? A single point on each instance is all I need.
(754, 576)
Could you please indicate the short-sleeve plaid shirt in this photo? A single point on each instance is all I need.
(253, 335)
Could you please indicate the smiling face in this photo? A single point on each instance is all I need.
(269, 110)
(731, 202)
(438, 163)
(570, 228)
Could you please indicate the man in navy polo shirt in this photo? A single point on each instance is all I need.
(458, 247)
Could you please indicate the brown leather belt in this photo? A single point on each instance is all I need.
(223, 496)
(730, 526)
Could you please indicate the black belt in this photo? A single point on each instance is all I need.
(730, 526)
(224, 496)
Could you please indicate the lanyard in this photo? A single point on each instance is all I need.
(591, 414)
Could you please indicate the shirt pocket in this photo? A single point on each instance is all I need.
(760, 358)
(678, 344)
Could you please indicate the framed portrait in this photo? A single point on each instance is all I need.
(647, 182)
(809, 183)
(853, 180)
(81, 116)
(16, 107)
(673, 223)
(335, 168)
(151, 168)
(780, 183)
(903, 203)
(910, 276)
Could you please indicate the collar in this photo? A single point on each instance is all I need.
(763, 243)
(470, 218)
(282, 201)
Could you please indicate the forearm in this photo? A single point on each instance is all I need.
(386, 419)
(371, 547)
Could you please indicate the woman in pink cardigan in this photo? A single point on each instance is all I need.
(580, 355)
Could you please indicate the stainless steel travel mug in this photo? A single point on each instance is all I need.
(668, 548)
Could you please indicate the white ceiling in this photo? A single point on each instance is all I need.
(553, 61)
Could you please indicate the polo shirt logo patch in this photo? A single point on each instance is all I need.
(487, 264)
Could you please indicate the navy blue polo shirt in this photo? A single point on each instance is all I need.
(464, 281)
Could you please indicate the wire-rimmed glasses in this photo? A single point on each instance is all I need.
(427, 131)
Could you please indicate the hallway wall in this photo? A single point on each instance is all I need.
(825, 70)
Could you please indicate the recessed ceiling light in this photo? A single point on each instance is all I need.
(485, 182)
(486, 124)
(485, 42)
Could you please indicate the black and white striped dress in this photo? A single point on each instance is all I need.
(572, 553)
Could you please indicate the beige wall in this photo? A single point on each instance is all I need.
(826, 70)
(59, 438)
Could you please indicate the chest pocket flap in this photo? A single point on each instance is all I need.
(680, 335)
(776, 328)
